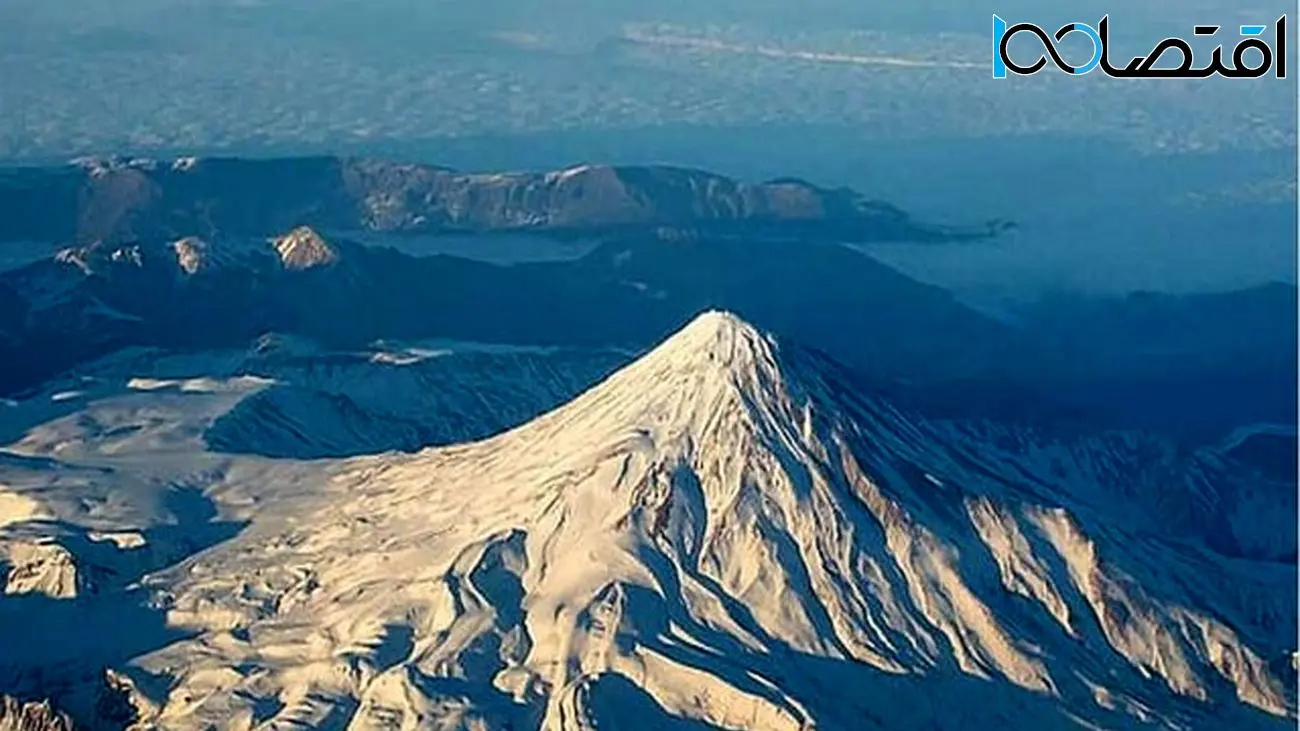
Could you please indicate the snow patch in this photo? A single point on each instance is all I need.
(17, 508)
(237, 384)
(407, 357)
(303, 248)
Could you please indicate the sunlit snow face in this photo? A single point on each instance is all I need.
(714, 532)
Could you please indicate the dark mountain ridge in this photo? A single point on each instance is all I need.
(1189, 358)
(917, 340)
(192, 293)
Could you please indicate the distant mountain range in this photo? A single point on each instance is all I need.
(215, 253)
(122, 200)
(90, 300)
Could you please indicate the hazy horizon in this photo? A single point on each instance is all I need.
(1168, 185)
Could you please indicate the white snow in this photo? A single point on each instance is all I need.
(723, 534)
(150, 384)
(16, 508)
(558, 177)
(408, 356)
(241, 384)
(303, 248)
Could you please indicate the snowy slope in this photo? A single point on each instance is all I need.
(724, 534)
(309, 401)
(345, 404)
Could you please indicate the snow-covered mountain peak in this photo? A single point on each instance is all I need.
(717, 373)
(195, 255)
(304, 248)
(192, 253)
(721, 535)
(714, 348)
(715, 333)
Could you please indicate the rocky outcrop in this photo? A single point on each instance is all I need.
(76, 700)
(16, 715)
(45, 568)
(303, 248)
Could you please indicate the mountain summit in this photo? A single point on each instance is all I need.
(303, 248)
(723, 534)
